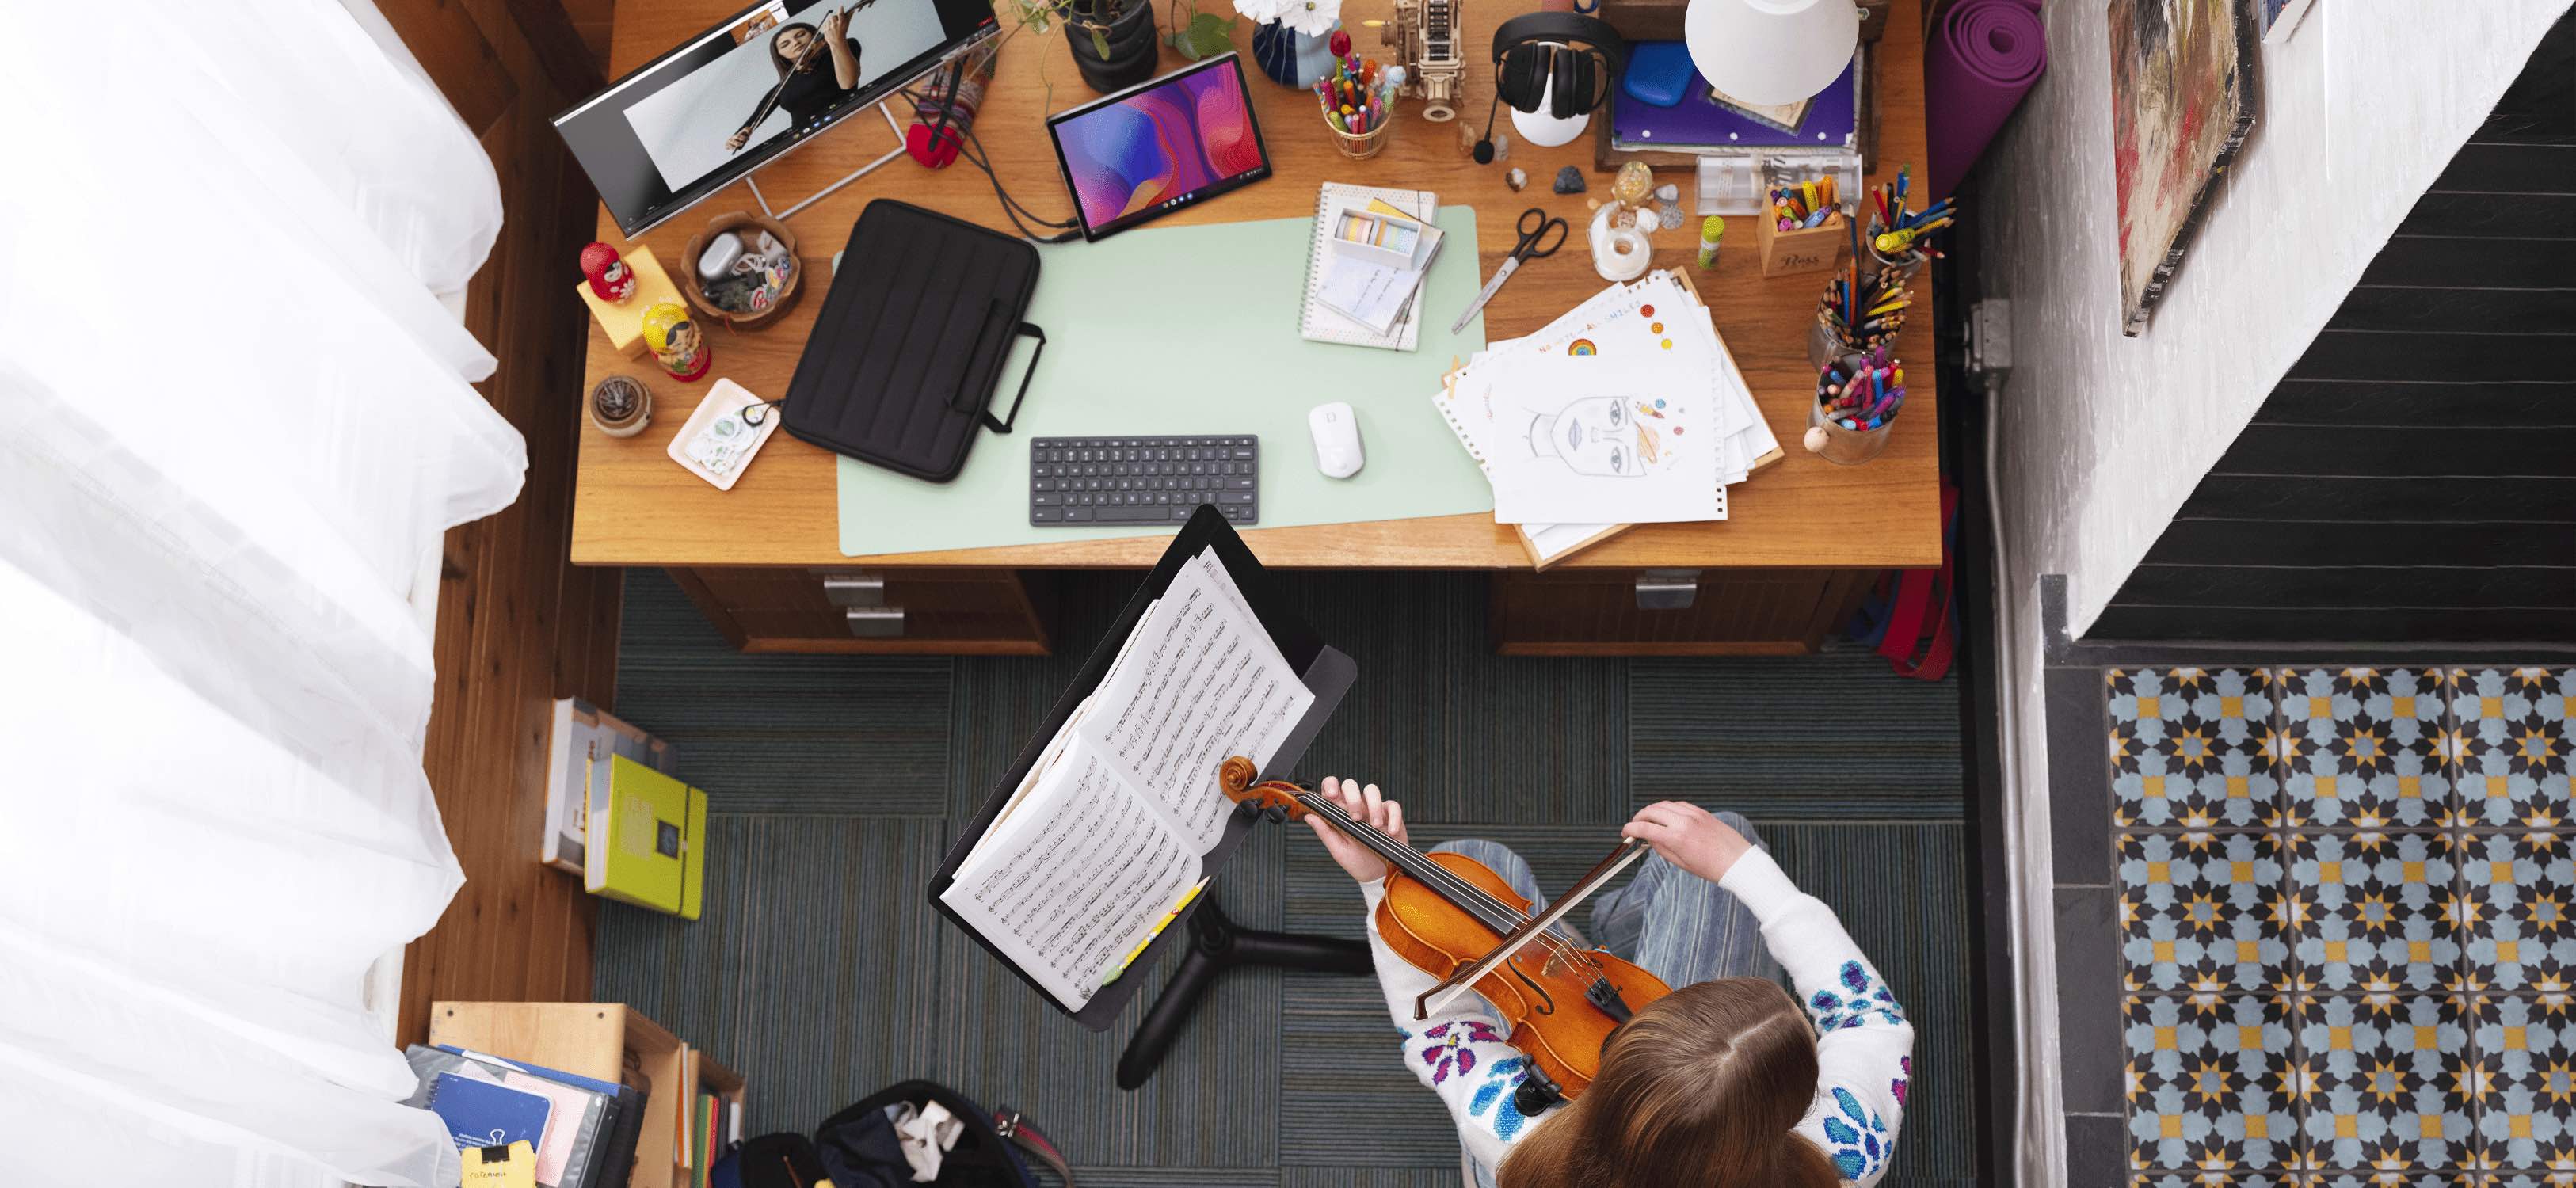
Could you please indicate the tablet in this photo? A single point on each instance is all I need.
(1158, 146)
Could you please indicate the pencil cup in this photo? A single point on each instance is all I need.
(1824, 343)
(1850, 434)
(1896, 269)
(1364, 145)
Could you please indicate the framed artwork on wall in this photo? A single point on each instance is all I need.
(2281, 18)
(2182, 101)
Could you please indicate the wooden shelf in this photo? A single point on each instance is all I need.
(604, 1040)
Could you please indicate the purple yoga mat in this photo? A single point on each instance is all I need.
(1983, 56)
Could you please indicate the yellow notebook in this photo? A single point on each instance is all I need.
(647, 842)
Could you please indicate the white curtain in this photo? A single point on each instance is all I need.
(234, 421)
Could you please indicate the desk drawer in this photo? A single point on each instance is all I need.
(888, 611)
(1713, 612)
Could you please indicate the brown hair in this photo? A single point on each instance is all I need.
(1702, 1087)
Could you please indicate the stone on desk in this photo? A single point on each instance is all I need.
(1669, 192)
(1569, 180)
(1516, 179)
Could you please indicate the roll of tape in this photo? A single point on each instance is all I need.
(1619, 253)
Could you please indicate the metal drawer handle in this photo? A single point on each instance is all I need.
(875, 622)
(1667, 589)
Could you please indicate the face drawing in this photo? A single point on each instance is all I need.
(1594, 436)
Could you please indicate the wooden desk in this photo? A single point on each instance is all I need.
(1803, 537)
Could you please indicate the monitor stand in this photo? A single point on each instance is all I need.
(752, 178)
(1216, 945)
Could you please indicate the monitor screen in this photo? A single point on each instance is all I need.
(1175, 140)
(757, 85)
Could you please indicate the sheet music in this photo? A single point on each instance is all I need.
(1072, 882)
(1202, 684)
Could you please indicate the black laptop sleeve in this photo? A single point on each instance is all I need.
(904, 360)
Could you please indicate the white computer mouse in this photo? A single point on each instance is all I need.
(1336, 430)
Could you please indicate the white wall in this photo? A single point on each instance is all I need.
(2104, 436)
(2101, 436)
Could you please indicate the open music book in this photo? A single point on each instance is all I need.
(1109, 828)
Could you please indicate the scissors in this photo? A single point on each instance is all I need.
(1526, 249)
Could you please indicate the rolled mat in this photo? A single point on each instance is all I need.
(1983, 56)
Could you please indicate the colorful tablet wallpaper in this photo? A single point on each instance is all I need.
(1152, 147)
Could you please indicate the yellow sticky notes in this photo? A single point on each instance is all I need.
(514, 1167)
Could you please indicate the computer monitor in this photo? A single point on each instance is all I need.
(754, 87)
(1159, 146)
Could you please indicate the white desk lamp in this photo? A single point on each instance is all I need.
(1545, 130)
(1771, 51)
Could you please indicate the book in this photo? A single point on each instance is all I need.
(1319, 323)
(569, 1153)
(647, 843)
(583, 733)
(1109, 828)
(614, 1166)
(481, 1113)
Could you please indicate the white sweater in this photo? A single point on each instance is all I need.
(1864, 1046)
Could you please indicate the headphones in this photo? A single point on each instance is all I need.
(1536, 54)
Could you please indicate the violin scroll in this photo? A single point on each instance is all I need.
(1277, 797)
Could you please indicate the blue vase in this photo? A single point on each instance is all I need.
(1291, 58)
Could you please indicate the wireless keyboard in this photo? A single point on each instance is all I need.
(1143, 480)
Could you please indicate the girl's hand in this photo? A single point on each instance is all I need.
(1357, 860)
(835, 25)
(1689, 837)
(736, 140)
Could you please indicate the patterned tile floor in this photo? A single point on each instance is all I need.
(2345, 911)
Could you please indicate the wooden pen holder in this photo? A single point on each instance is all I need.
(1813, 249)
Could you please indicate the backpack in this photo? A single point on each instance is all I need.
(856, 1148)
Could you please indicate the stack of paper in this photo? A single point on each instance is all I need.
(1627, 410)
(1377, 258)
(1320, 321)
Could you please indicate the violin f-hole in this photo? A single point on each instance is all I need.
(1546, 1002)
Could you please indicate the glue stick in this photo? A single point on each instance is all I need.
(1710, 232)
(925, 140)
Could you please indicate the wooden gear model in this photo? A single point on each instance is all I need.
(1426, 31)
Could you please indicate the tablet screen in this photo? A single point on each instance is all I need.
(1147, 151)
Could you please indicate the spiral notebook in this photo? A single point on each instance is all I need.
(1319, 323)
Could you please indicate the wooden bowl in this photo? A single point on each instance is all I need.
(738, 221)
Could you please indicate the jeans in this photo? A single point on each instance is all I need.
(1674, 924)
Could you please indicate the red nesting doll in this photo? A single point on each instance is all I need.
(608, 274)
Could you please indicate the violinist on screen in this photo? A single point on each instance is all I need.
(1726, 1080)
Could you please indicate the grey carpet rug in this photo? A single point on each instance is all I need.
(835, 783)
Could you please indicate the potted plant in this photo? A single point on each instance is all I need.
(1113, 42)
(1289, 38)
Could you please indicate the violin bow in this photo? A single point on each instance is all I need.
(1465, 977)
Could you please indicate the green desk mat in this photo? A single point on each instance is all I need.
(1176, 330)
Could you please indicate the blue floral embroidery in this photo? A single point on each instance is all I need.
(1868, 994)
(1501, 1078)
(1858, 1136)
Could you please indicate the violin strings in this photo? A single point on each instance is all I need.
(1554, 945)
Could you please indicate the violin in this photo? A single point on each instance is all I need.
(1446, 914)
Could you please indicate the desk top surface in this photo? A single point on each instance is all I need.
(634, 506)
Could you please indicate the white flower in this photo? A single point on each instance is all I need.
(1314, 18)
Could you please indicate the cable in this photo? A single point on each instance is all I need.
(1066, 229)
